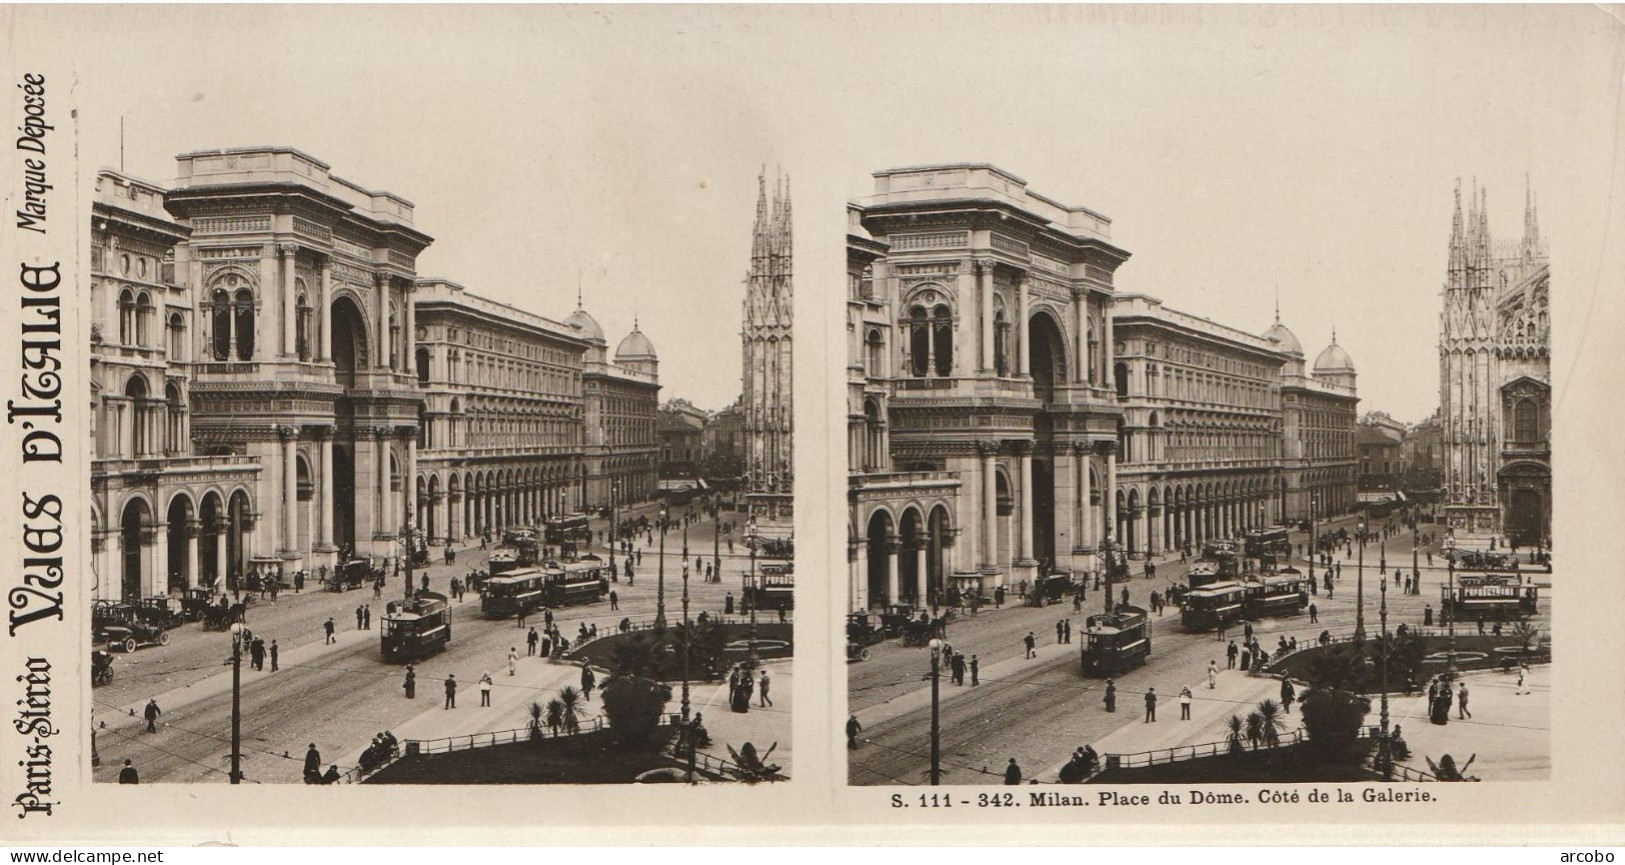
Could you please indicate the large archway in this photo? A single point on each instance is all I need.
(880, 551)
(344, 497)
(238, 523)
(179, 535)
(132, 524)
(911, 542)
(349, 340)
(211, 517)
(1043, 512)
(1046, 357)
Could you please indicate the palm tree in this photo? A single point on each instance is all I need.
(1236, 732)
(1255, 729)
(570, 707)
(638, 657)
(555, 715)
(535, 720)
(1527, 634)
(1271, 721)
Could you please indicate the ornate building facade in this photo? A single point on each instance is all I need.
(766, 402)
(1318, 415)
(1200, 446)
(261, 399)
(1495, 377)
(501, 430)
(982, 418)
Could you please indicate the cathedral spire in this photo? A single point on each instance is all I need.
(1531, 224)
(1455, 273)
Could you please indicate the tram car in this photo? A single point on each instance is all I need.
(1489, 596)
(415, 628)
(1115, 642)
(1280, 594)
(774, 589)
(1214, 605)
(1219, 562)
(570, 535)
(1271, 548)
(513, 592)
(570, 583)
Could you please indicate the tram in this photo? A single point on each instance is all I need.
(570, 535)
(566, 584)
(1214, 605)
(1116, 641)
(1271, 547)
(1281, 594)
(518, 550)
(512, 593)
(774, 589)
(415, 628)
(1219, 562)
(1489, 596)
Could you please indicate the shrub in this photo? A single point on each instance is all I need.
(633, 706)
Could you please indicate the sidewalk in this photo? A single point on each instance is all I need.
(761, 727)
(1509, 732)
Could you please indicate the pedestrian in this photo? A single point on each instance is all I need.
(1314, 614)
(1031, 643)
(451, 691)
(1247, 632)
(411, 683)
(1068, 632)
(256, 653)
(1060, 628)
(1111, 696)
(853, 728)
(975, 671)
(1461, 702)
(313, 760)
(1481, 626)
(766, 701)
(485, 689)
(1230, 655)
(513, 660)
(523, 612)
(1012, 774)
(328, 628)
(1150, 705)
(1212, 675)
(366, 617)
(358, 615)
(425, 582)
(151, 713)
(614, 600)
(273, 656)
(1523, 671)
(588, 682)
(956, 666)
(530, 643)
(1185, 703)
(1125, 596)
(128, 775)
(1288, 694)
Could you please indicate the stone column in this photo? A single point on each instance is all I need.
(290, 257)
(1080, 310)
(387, 519)
(194, 557)
(985, 278)
(1025, 545)
(990, 503)
(325, 530)
(893, 584)
(920, 578)
(966, 328)
(454, 520)
(969, 519)
(1108, 359)
(290, 487)
(323, 352)
(158, 570)
(1088, 538)
(381, 283)
(409, 335)
(1110, 493)
(1023, 355)
(220, 564)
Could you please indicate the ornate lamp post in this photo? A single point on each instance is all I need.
(660, 577)
(1449, 606)
(754, 597)
(1108, 554)
(688, 639)
(1416, 544)
(716, 538)
(1385, 755)
(614, 527)
(1314, 539)
(936, 716)
(408, 538)
(1359, 589)
(236, 775)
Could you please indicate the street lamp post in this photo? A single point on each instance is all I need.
(1108, 550)
(752, 595)
(1416, 543)
(1359, 589)
(408, 544)
(1450, 607)
(614, 529)
(688, 639)
(936, 717)
(1314, 539)
(236, 775)
(716, 540)
(1385, 755)
(660, 577)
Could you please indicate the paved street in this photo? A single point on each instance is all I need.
(338, 696)
(1039, 710)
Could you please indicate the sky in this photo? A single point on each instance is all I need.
(1243, 153)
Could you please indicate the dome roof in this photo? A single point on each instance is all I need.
(1280, 334)
(1334, 359)
(582, 321)
(635, 345)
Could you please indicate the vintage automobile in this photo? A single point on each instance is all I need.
(350, 575)
(164, 611)
(126, 626)
(861, 630)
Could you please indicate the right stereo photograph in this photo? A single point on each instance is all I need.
(1114, 532)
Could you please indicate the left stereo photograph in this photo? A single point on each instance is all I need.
(407, 475)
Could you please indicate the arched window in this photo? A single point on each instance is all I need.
(919, 341)
(177, 336)
(1526, 422)
(143, 318)
(423, 365)
(1120, 372)
(874, 348)
(126, 317)
(220, 324)
(942, 321)
(301, 333)
(243, 324)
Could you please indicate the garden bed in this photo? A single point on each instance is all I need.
(590, 758)
(775, 641)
